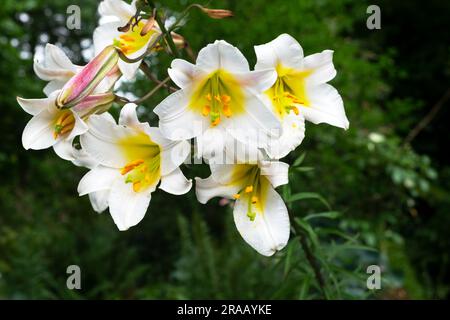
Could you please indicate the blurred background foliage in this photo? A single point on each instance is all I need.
(369, 195)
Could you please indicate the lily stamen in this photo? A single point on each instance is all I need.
(130, 166)
(206, 110)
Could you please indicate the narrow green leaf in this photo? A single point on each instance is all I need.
(328, 215)
(308, 195)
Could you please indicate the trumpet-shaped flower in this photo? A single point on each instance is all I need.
(132, 41)
(54, 127)
(300, 90)
(133, 158)
(260, 214)
(219, 92)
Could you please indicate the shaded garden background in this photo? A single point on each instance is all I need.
(383, 199)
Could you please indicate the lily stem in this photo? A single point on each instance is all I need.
(147, 71)
(167, 36)
(312, 260)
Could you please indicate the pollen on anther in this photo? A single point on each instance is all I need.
(236, 196)
(227, 110)
(206, 110)
(248, 189)
(136, 186)
(216, 121)
(225, 99)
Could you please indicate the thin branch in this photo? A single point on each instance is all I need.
(167, 36)
(146, 69)
(122, 100)
(153, 91)
(427, 119)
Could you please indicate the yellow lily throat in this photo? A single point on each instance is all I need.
(132, 41)
(63, 124)
(252, 193)
(145, 168)
(289, 91)
(219, 94)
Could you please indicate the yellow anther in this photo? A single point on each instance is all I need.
(206, 110)
(136, 186)
(226, 110)
(295, 109)
(217, 98)
(216, 121)
(130, 166)
(126, 37)
(64, 124)
(248, 189)
(208, 97)
(225, 99)
(236, 196)
(66, 129)
(254, 199)
(62, 117)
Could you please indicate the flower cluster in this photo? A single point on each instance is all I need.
(243, 121)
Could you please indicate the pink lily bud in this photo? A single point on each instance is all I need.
(84, 82)
(95, 103)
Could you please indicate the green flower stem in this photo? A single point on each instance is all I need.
(313, 262)
(167, 36)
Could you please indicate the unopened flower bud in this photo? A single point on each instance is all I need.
(217, 13)
(84, 82)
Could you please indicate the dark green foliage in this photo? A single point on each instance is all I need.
(358, 197)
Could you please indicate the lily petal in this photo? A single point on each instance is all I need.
(55, 65)
(117, 8)
(322, 66)
(269, 231)
(127, 207)
(293, 133)
(176, 120)
(208, 188)
(259, 80)
(275, 171)
(35, 106)
(38, 133)
(284, 49)
(222, 55)
(258, 125)
(99, 200)
(97, 179)
(181, 72)
(326, 106)
(175, 183)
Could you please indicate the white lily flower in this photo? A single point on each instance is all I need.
(300, 91)
(133, 158)
(54, 127)
(219, 93)
(131, 43)
(260, 214)
(56, 68)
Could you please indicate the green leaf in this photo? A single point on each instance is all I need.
(328, 215)
(299, 160)
(308, 195)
